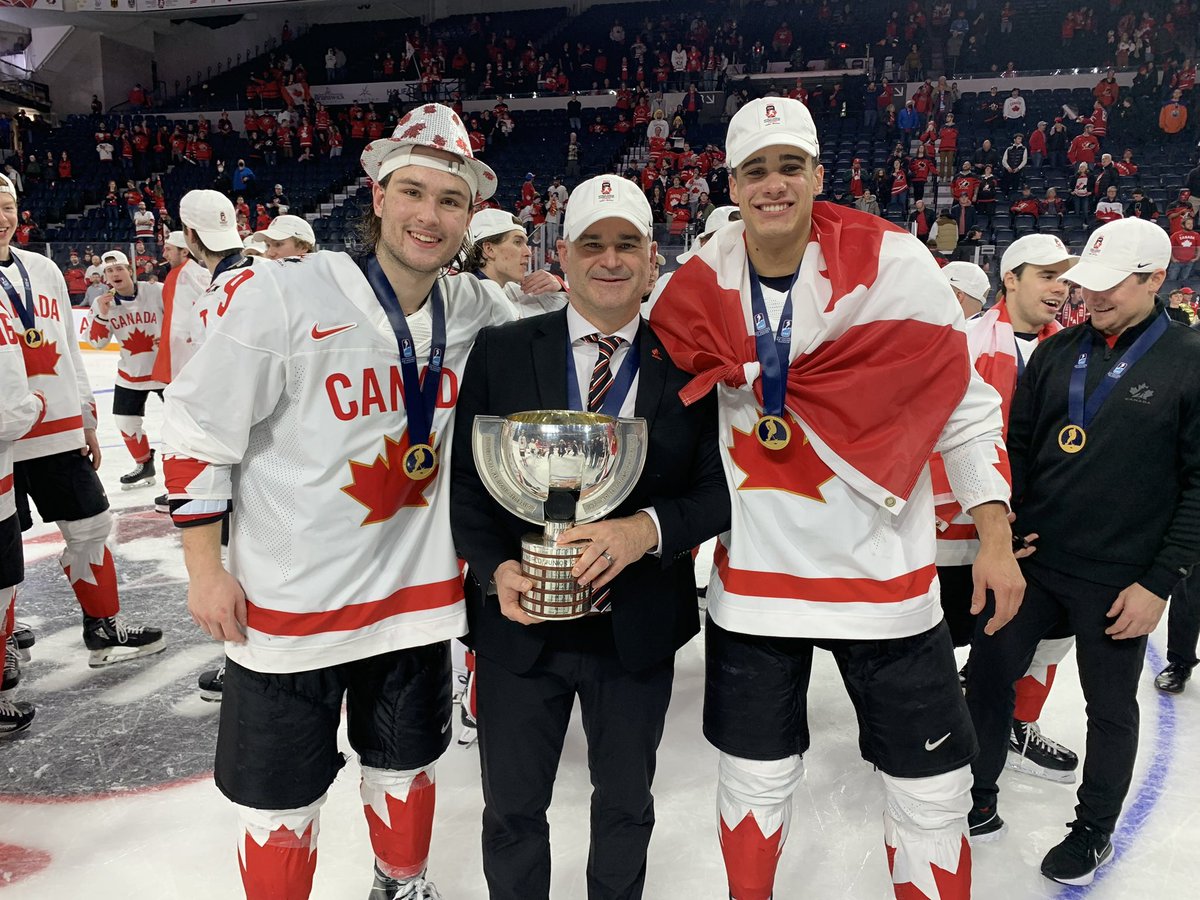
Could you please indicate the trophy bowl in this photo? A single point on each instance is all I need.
(557, 469)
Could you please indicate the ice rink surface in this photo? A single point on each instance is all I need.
(109, 794)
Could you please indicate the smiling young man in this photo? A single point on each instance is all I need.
(596, 355)
(55, 463)
(1095, 400)
(499, 257)
(131, 313)
(840, 363)
(343, 584)
(1000, 343)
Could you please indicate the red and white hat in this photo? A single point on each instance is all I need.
(605, 197)
(432, 126)
(1117, 250)
(768, 122)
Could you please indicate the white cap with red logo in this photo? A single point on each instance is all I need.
(1120, 249)
(114, 258)
(606, 197)
(1035, 249)
(429, 127)
(210, 214)
(768, 122)
(284, 227)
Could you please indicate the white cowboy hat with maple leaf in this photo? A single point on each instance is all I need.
(435, 126)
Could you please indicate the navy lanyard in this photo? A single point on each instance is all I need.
(774, 353)
(615, 398)
(226, 263)
(420, 393)
(1081, 412)
(24, 310)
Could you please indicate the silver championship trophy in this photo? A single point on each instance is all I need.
(557, 468)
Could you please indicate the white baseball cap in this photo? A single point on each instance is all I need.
(176, 239)
(1118, 250)
(6, 186)
(1038, 249)
(284, 227)
(492, 223)
(720, 217)
(968, 278)
(114, 258)
(432, 127)
(254, 244)
(604, 197)
(767, 122)
(211, 215)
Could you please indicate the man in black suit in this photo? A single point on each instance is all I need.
(620, 662)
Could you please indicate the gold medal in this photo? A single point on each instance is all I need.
(33, 338)
(773, 432)
(1072, 439)
(419, 461)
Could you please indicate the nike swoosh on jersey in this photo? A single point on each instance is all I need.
(933, 745)
(319, 333)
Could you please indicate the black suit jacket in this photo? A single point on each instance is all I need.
(521, 366)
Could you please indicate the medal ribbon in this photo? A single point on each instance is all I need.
(1081, 411)
(615, 398)
(24, 311)
(420, 393)
(774, 352)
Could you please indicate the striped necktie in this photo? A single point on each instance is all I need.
(602, 374)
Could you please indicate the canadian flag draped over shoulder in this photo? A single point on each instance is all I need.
(992, 344)
(881, 378)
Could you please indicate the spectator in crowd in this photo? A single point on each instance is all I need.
(1173, 117)
(75, 274)
(1180, 208)
(1141, 206)
(1074, 310)
(243, 179)
(921, 221)
(278, 203)
(1057, 142)
(944, 233)
(1082, 190)
(1177, 310)
(1014, 111)
(1037, 146)
(1027, 205)
(1185, 243)
(1084, 147)
(986, 155)
(1108, 208)
(1052, 206)
(1013, 163)
(867, 203)
(144, 224)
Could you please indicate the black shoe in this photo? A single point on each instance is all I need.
(143, 474)
(25, 638)
(1173, 678)
(111, 641)
(14, 717)
(985, 824)
(162, 504)
(212, 685)
(1080, 854)
(12, 668)
(1033, 753)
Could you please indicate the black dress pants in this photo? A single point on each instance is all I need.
(522, 723)
(1183, 621)
(1056, 603)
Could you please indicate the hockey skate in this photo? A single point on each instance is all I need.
(468, 733)
(12, 669)
(14, 717)
(162, 504)
(212, 684)
(985, 824)
(386, 888)
(23, 638)
(112, 642)
(141, 476)
(1033, 753)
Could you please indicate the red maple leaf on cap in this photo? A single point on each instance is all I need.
(462, 145)
(439, 141)
(795, 468)
(383, 487)
(41, 360)
(430, 108)
(137, 341)
(413, 130)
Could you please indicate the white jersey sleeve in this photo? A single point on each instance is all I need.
(972, 447)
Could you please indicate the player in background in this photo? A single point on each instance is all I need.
(55, 463)
(20, 410)
(130, 313)
(297, 392)
(287, 235)
(499, 258)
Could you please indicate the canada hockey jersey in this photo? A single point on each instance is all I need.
(20, 410)
(136, 323)
(296, 396)
(55, 368)
(524, 305)
(180, 336)
(831, 535)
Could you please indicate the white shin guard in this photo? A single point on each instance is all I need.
(925, 826)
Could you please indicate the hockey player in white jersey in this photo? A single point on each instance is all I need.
(342, 582)
(287, 235)
(56, 461)
(20, 410)
(131, 313)
(840, 362)
(499, 258)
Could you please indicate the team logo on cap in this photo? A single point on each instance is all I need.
(1059, 244)
(224, 218)
(606, 192)
(771, 115)
(1096, 245)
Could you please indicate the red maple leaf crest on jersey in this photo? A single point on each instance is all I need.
(137, 341)
(795, 468)
(413, 130)
(98, 331)
(41, 360)
(382, 487)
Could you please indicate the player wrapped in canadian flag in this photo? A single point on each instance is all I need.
(20, 410)
(131, 312)
(55, 463)
(342, 580)
(840, 363)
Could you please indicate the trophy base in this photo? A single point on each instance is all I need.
(556, 595)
